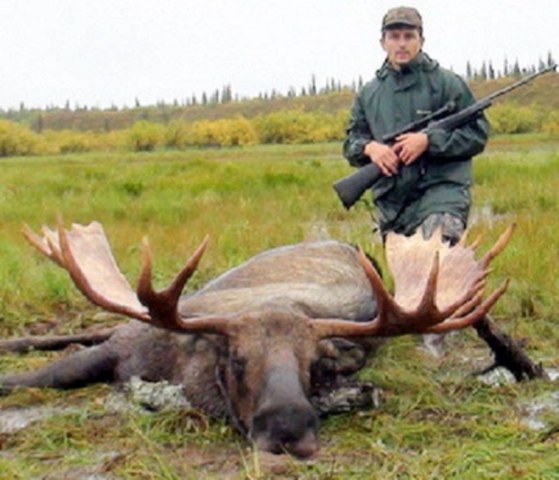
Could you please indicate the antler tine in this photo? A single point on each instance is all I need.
(474, 316)
(147, 295)
(386, 307)
(382, 295)
(145, 289)
(499, 246)
(471, 298)
(463, 238)
(427, 310)
(177, 286)
(45, 245)
(476, 243)
(163, 305)
(468, 306)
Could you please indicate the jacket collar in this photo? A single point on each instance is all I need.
(422, 62)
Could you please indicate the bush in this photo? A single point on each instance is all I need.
(15, 139)
(236, 132)
(69, 141)
(511, 118)
(223, 133)
(288, 126)
(297, 126)
(145, 136)
(177, 134)
(551, 123)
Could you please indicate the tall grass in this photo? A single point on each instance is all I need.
(436, 422)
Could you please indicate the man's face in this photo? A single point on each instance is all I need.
(401, 45)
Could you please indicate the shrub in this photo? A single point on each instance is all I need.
(287, 126)
(177, 134)
(113, 140)
(511, 118)
(69, 141)
(297, 126)
(145, 136)
(236, 132)
(551, 123)
(204, 134)
(223, 133)
(15, 139)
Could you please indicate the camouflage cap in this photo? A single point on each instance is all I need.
(405, 16)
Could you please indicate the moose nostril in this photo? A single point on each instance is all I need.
(285, 426)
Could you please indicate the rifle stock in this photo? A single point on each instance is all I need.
(351, 188)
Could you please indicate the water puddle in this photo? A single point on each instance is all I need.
(535, 413)
(135, 394)
(14, 419)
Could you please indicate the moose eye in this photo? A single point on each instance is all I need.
(238, 365)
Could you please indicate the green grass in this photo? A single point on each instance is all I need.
(436, 421)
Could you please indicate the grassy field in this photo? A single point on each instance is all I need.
(436, 420)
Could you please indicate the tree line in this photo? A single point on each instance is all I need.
(487, 71)
(224, 95)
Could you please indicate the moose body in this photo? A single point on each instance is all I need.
(272, 293)
(249, 343)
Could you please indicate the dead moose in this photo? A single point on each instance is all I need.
(246, 345)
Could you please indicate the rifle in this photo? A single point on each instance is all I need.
(351, 188)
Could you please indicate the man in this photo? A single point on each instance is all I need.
(427, 175)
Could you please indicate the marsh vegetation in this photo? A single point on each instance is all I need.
(436, 419)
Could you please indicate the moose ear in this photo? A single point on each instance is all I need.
(339, 355)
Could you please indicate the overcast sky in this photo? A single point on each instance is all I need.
(104, 52)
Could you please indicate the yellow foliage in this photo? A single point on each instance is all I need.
(551, 123)
(511, 118)
(298, 126)
(69, 141)
(145, 136)
(15, 139)
(223, 133)
(282, 126)
(177, 134)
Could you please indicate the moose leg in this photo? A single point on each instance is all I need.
(58, 342)
(507, 351)
(96, 364)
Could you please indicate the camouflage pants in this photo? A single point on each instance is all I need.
(451, 226)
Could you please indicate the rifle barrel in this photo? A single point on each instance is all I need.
(521, 82)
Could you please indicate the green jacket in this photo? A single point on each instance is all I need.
(439, 181)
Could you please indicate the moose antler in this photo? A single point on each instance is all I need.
(85, 253)
(437, 288)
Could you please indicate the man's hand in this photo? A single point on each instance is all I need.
(410, 146)
(383, 156)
